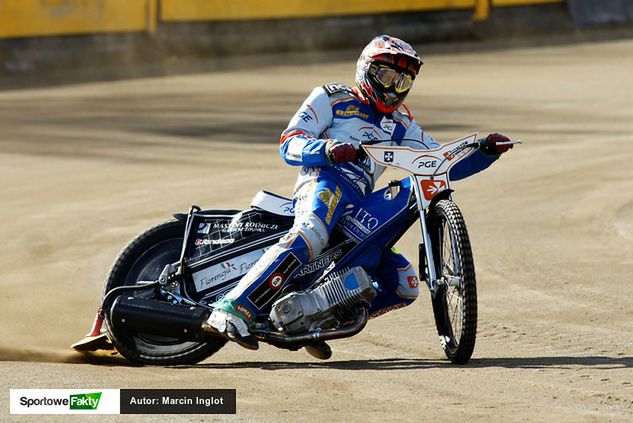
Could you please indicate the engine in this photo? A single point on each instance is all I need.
(333, 301)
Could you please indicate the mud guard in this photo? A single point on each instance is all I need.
(442, 195)
(182, 217)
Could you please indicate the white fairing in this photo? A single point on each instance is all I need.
(423, 162)
(273, 203)
(430, 168)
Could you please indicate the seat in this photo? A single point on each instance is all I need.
(273, 203)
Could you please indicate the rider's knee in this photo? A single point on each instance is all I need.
(315, 234)
(408, 285)
(308, 234)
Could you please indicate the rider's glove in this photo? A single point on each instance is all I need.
(489, 144)
(340, 152)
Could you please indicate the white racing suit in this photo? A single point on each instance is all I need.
(325, 191)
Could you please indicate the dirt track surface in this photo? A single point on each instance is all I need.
(85, 168)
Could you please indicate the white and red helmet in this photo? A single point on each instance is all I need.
(384, 53)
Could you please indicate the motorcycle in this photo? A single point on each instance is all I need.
(160, 290)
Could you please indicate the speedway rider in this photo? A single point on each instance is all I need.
(323, 138)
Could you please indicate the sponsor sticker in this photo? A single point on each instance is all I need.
(335, 88)
(370, 136)
(450, 155)
(276, 280)
(246, 312)
(361, 224)
(320, 262)
(366, 219)
(352, 111)
(265, 292)
(245, 226)
(427, 162)
(230, 226)
(431, 188)
(388, 157)
(305, 116)
(200, 242)
(204, 228)
(388, 125)
(222, 272)
(413, 281)
(288, 207)
(330, 200)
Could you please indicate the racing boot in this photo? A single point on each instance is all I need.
(230, 321)
(319, 350)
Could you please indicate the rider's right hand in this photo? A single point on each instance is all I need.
(489, 144)
(340, 152)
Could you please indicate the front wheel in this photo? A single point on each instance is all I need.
(455, 301)
(143, 260)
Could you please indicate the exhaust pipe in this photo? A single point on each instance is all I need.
(323, 335)
(158, 318)
(188, 323)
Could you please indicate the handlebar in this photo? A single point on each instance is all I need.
(474, 144)
(361, 154)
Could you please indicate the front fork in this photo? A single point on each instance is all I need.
(426, 259)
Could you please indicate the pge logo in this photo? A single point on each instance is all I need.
(288, 207)
(426, 161)
(388, 156)
(427, 164)
(432, 188)
(304, 116)
(388, 125)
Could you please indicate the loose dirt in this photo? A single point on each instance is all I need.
(84, 168)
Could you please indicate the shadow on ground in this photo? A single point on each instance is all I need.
(411, 364)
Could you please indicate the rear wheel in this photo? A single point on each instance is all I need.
(143, 260)
(455, 302)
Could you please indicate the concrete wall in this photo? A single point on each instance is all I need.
(39, 37)
(41, 18)
(590, 13)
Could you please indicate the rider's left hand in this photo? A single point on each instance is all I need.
(340, 152)
(489, 144)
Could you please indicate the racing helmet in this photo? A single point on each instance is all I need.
(385, 72)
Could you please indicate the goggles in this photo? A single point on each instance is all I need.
(388, 77)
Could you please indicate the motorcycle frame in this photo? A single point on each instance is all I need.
(429, 169)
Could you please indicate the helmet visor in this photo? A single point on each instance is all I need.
(389, 77)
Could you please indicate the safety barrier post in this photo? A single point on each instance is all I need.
(482, 10)
(152, 15)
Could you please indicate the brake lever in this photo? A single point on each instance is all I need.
(509, 142)
(479, 144)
